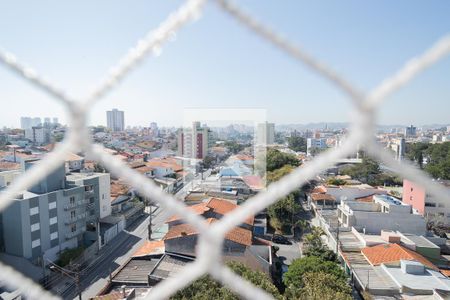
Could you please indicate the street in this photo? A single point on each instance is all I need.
(95, 276)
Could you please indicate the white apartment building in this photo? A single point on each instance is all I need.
(38, 135)
(115, 120)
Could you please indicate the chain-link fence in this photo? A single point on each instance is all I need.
(211, 237)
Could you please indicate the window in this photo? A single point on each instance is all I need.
(441, 205)
(441, 214)
(35, 243)
(52, 205)
(73, 228)
(410, 198)
(53, 220)
(412, 189)
(91, 200)
(103, 196)
(72, 200)
(430, 204)
(35, 227)
(72, 214)
(53, 235)
(34, 211)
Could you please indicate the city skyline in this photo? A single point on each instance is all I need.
(181, 77)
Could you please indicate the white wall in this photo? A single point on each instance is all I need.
(105, 195)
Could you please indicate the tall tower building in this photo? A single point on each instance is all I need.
(194, 142)
(115, 120)
(265, 134)
(26, 123)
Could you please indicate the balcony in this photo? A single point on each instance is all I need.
(70, 206)
(70, 221)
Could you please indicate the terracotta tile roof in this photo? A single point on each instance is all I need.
(150, 247)
(388, 253)
(144, 169)
(218, 205)
(320, 197)
(222, 206)
(445, 272)
(242, 157)
(365, 199)
(73, 157)
(253, 182)
(7, 165)
(197, 209)
(118, 188)
(320, 189)
(169, 163)
(237, 234)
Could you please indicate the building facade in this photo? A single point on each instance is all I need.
(55, 214)
(194, 142)
(433, 209)
(265, 134)
(115, 120)
(314, 144)
(38, 135)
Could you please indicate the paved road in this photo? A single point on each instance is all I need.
(96, 275)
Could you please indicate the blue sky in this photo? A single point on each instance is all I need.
(216, 63)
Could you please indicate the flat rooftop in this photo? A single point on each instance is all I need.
(83, 176)
(389, 199)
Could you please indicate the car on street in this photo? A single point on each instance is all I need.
(279, 239)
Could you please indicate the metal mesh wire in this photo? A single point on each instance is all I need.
(211, 237)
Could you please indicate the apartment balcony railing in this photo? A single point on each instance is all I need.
(70, 221)
(70, 206)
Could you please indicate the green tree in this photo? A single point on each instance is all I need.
(207, 288)
(299, 267)
(276, 159)
(335, 181)
(314, 246)
(365, 172)
(277, 174)
(321, 286)
(235, 147)
(297, 143)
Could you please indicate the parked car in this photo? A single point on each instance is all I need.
(279, 239)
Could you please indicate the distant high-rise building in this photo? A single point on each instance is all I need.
(115, 120)
(410, 131)
(38, 135)
(194, 142)
(37, 121)
(315, 144)
(26, 123)
(265, 134)
(399, 147)
(47, 122)
(154, 128)
(55, 121)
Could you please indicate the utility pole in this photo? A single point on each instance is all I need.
(74, 275)
(337, 239)
(150, 223)
(77, 281)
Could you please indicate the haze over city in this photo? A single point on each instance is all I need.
(220, 158)
(216, 63)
